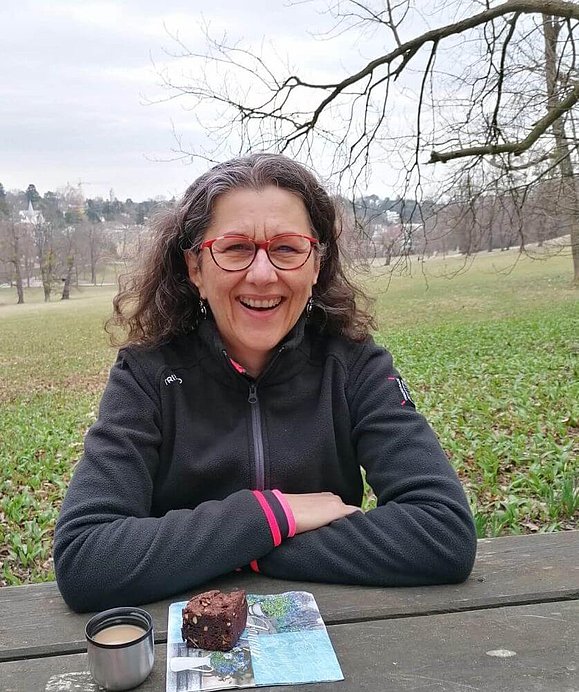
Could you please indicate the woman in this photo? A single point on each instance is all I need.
(237, 417)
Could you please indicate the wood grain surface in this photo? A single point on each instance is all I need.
(35, 621)
(531, 648)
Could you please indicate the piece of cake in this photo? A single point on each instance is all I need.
(214, 620)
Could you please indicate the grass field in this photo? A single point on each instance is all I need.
(490, 356)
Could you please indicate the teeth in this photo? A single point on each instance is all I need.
(253, 303)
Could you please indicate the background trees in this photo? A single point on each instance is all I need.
(477, 113)
(10, 246)
(62, 239)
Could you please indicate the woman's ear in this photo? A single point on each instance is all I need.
(194, 271)
(317, 265)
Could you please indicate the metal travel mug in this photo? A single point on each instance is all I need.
(125, 664)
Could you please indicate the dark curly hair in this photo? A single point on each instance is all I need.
(157, 302)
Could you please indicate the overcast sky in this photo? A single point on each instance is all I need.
(76, 75)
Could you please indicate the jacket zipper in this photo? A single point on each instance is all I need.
(257, 437)
(256, 424)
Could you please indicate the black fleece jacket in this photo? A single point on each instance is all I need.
(162, 499)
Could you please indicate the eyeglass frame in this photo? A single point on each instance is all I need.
(260, 246)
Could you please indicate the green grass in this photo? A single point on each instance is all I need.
(492, 360)
(490, 356)
(54, 361)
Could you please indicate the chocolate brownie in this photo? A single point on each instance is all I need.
(214, 620)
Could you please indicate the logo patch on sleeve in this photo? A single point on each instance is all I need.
(404, 391)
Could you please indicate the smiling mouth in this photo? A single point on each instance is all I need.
(262, 304)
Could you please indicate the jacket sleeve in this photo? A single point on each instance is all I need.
(421, 531)
(108, 549)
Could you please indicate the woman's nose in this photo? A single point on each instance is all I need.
(261, 269)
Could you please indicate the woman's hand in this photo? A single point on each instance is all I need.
(312, 510)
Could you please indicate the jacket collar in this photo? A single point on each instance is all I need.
(289, 354)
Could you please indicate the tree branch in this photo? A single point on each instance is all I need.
(560, 8)
(515, 148)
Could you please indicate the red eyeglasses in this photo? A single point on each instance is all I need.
(234, 253)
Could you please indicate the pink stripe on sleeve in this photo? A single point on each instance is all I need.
(270, 516)
(254, 566)
(291, 522)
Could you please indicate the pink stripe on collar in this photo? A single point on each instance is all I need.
(240, 369)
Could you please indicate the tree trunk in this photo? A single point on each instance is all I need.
(94, 240)
(16, 263)
(67, 278)
(46, 287)
(20, 292)
(490, 245)
(46, 267)
(562, 153)
(19, 284)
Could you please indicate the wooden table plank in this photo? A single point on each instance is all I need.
(438, 653)
(513, 570)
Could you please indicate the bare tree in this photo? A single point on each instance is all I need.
(11, 250)
(94, 247)
(488, 95)
(43, 239)
(69, 255)
(10, 253)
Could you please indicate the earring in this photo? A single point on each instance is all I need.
(309, 307)
(202, 309)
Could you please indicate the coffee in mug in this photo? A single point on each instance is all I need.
(118, 634)
(120, 647)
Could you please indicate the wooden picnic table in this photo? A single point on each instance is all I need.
(513, 625)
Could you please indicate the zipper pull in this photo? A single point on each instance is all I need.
(252, 398)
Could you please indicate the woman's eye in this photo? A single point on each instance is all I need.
(285, 249)
(237, 247)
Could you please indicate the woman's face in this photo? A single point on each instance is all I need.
(255, 308)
